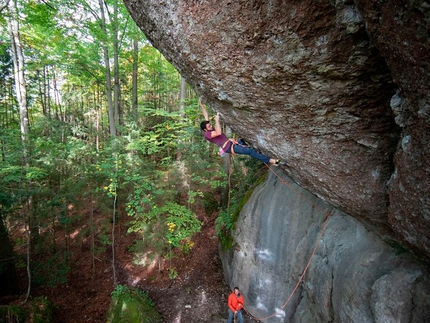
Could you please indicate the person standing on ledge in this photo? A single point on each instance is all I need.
(230, 146)
(235, 305)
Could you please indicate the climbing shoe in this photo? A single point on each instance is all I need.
(279, 162)
(242, 142)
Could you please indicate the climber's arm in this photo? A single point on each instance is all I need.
(218, 130)
(205, 112)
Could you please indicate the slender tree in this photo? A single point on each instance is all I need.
(183, 96)
(4, 6)
(18, 62)
(117, 84)
(21, 94)
(111, 108)
(134, 101)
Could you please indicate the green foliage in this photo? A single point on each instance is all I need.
(161, 135)
(192, 196)
(10, 140)
(226, 220)
(171, 225)
(206, 175)
(42, 310)
(11, 174)
(74, 164)
(12, 314)
(173, 273)
(52, 271)
(181, 223)
(104, 239)
(186, 246)
(131, 305)
(210, 203)
(224, 225)
(38, 310)
(18, 174)
(6, 63)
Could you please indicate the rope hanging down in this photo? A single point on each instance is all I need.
(310, 258)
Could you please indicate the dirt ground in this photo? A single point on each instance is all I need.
(198, 293)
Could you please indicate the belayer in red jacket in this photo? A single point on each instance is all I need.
(235, 304)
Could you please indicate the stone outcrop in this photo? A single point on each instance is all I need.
(352, 277)
(401, 31)
(339, 89)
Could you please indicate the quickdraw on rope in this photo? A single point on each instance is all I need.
(310, 258)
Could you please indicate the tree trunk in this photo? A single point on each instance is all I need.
(225, 194)
(42, 94)
(183, 96)
(117, 93)
(57, 101)
(18, 63)
(21, 93)
(111, 112)
(134, 78)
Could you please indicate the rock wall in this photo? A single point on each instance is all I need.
(353, 276)
(401, 32)
(339, 89)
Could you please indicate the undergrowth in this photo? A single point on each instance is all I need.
(225, 223)
(131, 305)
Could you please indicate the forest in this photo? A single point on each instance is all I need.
(98, 131)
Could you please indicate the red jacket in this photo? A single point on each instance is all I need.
(235, 302)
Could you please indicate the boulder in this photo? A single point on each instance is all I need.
(298, 259)
(339, 89)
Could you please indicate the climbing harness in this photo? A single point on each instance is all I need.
(225, 147)
(310, 258)
(233, 142)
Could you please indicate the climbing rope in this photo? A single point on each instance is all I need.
(310, 258)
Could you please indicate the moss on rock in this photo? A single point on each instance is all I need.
(131, 305)
(226, 222)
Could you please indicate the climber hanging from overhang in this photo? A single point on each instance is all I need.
(227, 145)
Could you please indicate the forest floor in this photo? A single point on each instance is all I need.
(198, 293)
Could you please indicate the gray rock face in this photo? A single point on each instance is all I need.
(353, 276)
(401, 31)
(311, 82)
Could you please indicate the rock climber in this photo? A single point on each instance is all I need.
(230, 146)
(235, 305)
